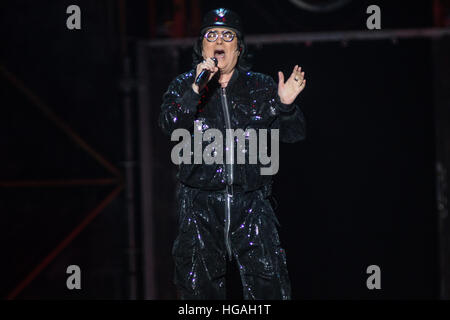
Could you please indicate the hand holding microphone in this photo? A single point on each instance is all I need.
(205, 71)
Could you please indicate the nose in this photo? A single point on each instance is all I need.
(219, 39)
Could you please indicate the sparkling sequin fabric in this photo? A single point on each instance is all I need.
(217, 219)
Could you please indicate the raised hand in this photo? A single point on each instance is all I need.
(290, 89)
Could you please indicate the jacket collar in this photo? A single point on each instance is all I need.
(233, 78)
(214, 85)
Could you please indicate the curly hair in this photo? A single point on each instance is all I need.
(243, 62)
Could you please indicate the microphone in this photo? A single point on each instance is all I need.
(203, 77)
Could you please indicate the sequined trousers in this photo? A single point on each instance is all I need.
(200, 249)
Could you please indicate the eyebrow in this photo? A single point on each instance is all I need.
(219, 30)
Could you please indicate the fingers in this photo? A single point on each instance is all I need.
(294, 72)
(298, 74)
(299, 77)
(302, 86)
(209, 64)
(280, 78)
(213, 72)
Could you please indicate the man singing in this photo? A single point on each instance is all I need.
(224, 208)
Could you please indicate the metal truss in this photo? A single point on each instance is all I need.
(117, 181)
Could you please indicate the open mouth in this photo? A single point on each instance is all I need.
(219, 54)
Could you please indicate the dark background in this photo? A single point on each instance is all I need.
(360, 190)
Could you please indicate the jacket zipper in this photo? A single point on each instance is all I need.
(229, 173)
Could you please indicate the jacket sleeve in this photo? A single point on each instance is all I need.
(291, 118)
(179, 106)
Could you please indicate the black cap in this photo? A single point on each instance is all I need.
(224, 18)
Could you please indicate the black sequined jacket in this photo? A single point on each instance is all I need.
(250, 100)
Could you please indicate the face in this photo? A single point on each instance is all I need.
(226, 53)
